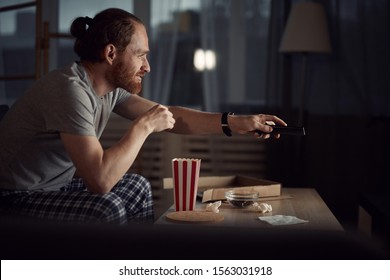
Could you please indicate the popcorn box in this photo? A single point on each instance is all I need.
(214, 187)
(185, 173)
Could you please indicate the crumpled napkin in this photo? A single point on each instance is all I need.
(278, 220)
(213, 207)
(262, 207)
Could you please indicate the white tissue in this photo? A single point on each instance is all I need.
(213, 207)
(262, 207)
(278, 220)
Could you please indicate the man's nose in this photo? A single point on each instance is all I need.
(146, 66)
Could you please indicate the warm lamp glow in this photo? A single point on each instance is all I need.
(204, 60)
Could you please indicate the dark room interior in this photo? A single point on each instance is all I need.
(340, 94)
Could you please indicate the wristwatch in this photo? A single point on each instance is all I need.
(224, 123)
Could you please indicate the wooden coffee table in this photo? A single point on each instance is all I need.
(303, 203)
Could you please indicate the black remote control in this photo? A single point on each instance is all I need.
(289, 130)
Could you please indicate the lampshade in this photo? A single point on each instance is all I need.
(306, 29)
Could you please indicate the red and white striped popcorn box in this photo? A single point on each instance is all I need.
(185, 180)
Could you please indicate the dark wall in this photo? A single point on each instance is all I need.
(341, 156)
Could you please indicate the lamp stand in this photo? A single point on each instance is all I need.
(302, 88)
(299, 164)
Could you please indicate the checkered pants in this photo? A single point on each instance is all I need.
(130, 201)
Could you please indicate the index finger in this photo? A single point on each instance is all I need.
(275, 119)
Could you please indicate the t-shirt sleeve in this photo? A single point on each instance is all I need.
(120, 96)
(71, 111)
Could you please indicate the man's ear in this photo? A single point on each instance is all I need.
(110, 53)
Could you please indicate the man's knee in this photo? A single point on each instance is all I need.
(137, 180)
(136, 194)
(134, 187)
(109, 208)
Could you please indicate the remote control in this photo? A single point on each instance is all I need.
(289, 130)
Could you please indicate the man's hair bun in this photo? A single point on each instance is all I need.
(80, 26)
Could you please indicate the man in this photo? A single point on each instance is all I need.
(53, 131)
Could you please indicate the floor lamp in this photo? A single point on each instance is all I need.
(306, 32)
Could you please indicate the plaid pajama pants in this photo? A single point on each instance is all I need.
(130, 201)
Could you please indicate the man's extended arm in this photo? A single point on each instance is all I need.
(189, 121)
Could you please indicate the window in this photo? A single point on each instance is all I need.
(17, 56)
(229, 36)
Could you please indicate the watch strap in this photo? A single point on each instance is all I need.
(224, 123)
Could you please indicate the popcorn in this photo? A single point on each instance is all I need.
(213, 207)
(262, 207)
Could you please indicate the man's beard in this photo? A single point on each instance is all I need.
(119, 78)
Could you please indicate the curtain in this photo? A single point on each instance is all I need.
(233, 32)
(361, 59)
(208, 42)
(163, 46)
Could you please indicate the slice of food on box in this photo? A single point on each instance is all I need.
(214, 187)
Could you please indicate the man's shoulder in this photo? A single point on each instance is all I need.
(66, 82)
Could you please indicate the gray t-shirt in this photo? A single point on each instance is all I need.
(32, 156)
